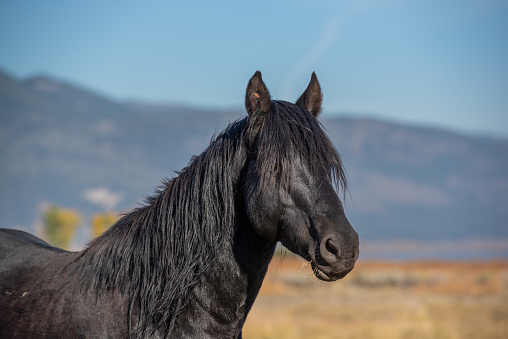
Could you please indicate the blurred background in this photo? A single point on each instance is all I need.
(100, 101)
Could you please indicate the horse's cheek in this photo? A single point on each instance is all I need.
(263, 218)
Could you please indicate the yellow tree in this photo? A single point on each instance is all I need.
(60, 225)
(101, 222)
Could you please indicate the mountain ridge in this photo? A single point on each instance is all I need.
(406, 182)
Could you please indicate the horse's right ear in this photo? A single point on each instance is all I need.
(257, 97)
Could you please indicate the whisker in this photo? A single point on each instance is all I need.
(303, 265)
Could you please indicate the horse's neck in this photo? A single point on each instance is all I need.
(253, 254)
(225, 294)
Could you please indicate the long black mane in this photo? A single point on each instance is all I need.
(157, 253)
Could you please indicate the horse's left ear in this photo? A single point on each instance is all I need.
(312, 98)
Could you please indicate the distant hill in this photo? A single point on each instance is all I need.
(65, 145)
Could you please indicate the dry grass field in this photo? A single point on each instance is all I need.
(392, 300)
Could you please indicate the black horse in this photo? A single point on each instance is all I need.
(190, 262)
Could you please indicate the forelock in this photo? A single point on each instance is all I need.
(288, 132)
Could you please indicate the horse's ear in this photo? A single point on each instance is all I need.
(257, 97)
(312, 98)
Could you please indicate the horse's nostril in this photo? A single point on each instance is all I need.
(332, 248)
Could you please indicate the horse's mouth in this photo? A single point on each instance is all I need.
(326, 273)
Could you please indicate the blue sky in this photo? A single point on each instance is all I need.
(440, 63)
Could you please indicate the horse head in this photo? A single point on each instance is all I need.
(293, 174)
